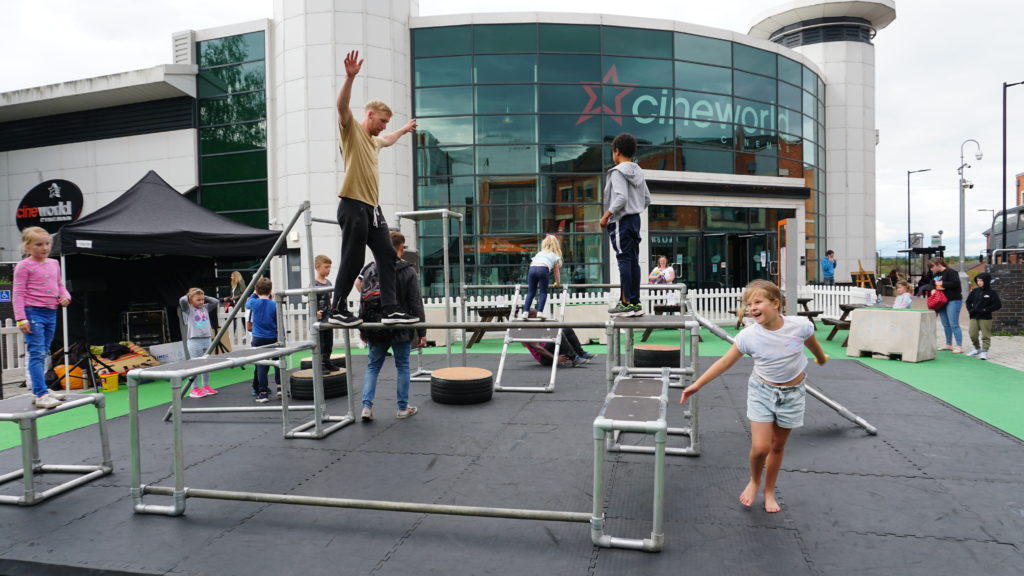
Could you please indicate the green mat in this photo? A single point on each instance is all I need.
(987, 391)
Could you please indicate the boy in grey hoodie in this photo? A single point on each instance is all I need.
(625, 197)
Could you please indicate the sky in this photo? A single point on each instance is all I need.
(940, 69)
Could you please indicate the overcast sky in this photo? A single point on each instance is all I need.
(940, 69)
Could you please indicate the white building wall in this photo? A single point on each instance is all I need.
(308, 44)
(103, 169)
(849, 74)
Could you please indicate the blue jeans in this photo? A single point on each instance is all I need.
(950, 318)
(624, 236)
(196, 348)
(537, 279)
(378, 352)
(43, 322)
(262, 372)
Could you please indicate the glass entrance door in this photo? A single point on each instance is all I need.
(716, 260)
(681, 251)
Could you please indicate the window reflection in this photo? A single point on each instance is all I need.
(505, 99)
(754, 60)
(445, 192)
(231, 50)
(570, 158)
(505, 38)
(444, 131)
(506, 68)
(703, 78)
(702, 49)
(440, 41)
(569, 68)
(435, 161)
(506, 159)
(570, 129)
(754, 86)
(442, 71)
(569, 38)
(230, 79)
(637, 71)
(506, 129)
(444, 101)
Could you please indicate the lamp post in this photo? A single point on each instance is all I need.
(964, 184)
(909, 172)
(1002, 188)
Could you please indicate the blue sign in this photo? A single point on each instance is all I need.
(5, 295)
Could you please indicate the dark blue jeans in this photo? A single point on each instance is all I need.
(262, 372)
(43, 322)
(624, 236)
(536, 279)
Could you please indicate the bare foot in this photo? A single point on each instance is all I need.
(771, 505)
(749, 494)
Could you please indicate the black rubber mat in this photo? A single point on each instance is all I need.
(935, 492)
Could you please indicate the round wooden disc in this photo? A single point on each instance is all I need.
(308, 373)
(461, 373)
(656, 347)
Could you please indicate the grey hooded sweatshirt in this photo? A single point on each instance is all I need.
(625, 191)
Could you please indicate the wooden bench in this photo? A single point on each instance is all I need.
(836, 325)
(811, 315)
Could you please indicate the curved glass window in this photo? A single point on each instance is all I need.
(447, 161)
(703, 78)
(810, 104)
(506, 129)
(444, 192)
(444, 131)
(789, 70)
(641, 71)
(705, 134)
(505, 38)
(453, 101)
(754, 60)
(706, 160)
(569, 68)
(790, 96)
(651, 130)
(506, 159)
(506, 99)
(754, 87)
(442, 41)
(442, 71)
(505, 69)
(570, 98)
(569, 38)
(703, 107)
(636, 42)
(810, 81)
(789, 122)
(570, 158)
(754, 115)
(570, 129)
(703, 50)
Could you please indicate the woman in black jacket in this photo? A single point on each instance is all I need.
(948, 280)
(981, 303)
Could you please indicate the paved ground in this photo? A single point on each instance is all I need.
(936, 492)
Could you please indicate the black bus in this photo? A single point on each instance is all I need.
(1014, 231)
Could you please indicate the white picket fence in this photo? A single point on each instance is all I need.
(717, 305)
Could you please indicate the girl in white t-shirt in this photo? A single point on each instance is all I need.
(547, 260)
(775, 391)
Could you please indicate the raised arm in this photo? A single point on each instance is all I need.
(714, 371)
(392, 137)
(352, 66)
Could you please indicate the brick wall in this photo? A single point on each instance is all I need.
(1008, 280)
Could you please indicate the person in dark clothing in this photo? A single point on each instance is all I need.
(948, 280)
(322, 267)
(981, 303)
(570, 351)
(401, 342)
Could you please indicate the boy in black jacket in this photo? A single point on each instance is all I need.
(981, 303)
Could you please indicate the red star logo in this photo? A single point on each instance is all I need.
(612, 77)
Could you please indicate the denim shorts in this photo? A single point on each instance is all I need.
(783, 405)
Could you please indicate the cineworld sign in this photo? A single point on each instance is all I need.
(701, 113)
(50, 205)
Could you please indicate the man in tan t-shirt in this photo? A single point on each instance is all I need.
(359, 214)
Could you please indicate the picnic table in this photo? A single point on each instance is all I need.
(806, 311)
(841, 323)
(496, 314)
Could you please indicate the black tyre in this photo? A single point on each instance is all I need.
(461, 385)
(335, 384)
(337, 360)
(656, 356)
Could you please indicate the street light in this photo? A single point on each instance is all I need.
(964, 184)
(1003, 187)
(909, 172)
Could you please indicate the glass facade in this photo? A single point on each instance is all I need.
(516, 122)
(232, 103)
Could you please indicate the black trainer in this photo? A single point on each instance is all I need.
(345, 318)
(399, 318)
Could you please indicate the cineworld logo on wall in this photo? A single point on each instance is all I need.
(50, 205)
(662, 109)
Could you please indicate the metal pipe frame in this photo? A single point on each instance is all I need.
(811, 390)
(550, 387)
(657, 428)
(30, 457)
(686, 373)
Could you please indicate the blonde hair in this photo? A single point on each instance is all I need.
(29, 233)
(906, 286)
(763, 287)
(321, 259)
(551, 244)
(235, 278)
(378, 106)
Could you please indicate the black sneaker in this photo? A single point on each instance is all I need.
(399, 318)
(345, 318)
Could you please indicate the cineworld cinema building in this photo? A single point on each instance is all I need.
(516, 116)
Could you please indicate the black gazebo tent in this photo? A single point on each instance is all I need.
(146, 247)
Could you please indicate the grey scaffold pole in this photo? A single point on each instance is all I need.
(839, 408)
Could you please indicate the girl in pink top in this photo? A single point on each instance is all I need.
(38, 290)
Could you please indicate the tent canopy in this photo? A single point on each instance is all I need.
(153, 219)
